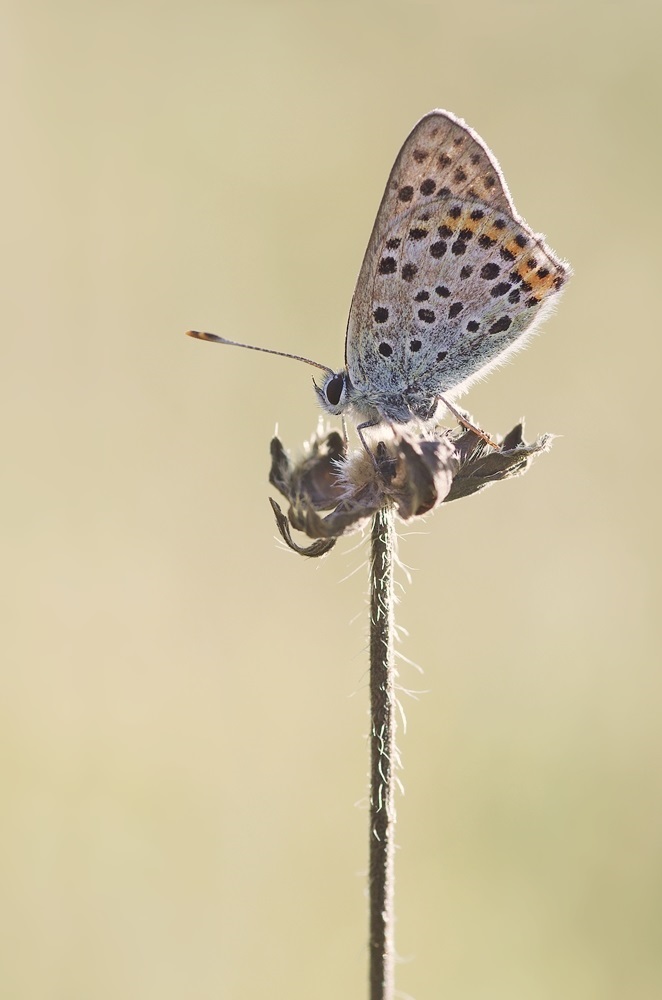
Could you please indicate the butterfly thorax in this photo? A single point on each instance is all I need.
(397, 405)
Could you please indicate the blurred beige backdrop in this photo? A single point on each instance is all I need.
(183, 703)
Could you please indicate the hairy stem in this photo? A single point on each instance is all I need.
(383, 758)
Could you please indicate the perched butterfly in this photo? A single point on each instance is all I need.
(452, 282)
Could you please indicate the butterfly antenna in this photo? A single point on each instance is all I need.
(250, 347)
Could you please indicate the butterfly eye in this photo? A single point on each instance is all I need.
(333, 389)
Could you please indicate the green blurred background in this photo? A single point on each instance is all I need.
(183, 702)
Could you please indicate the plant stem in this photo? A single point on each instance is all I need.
(383, 758)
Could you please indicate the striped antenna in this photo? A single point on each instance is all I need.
(250, 347)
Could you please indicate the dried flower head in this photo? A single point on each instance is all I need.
(413, 474)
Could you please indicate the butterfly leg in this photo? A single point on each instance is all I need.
(371, 455)
(467, 423)
(382, 464)
(359, 430)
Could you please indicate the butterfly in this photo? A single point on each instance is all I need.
(453, 282)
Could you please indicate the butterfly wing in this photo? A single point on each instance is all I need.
(452, 277)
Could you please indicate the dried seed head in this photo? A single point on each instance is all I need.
(412, 473)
